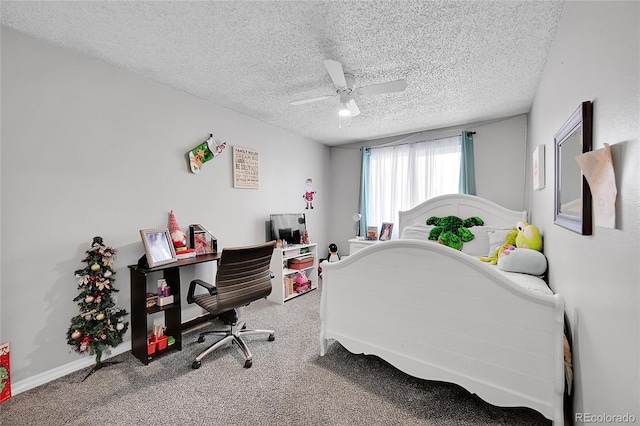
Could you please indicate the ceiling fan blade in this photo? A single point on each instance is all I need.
(353, 108)
(308, 101)
(334, 68)
(389, 87)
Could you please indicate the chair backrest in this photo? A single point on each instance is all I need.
(243, 275)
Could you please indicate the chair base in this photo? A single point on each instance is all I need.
(234, 335)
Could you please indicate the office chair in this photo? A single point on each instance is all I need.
(243, 276)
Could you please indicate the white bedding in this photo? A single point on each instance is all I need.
(530, 282)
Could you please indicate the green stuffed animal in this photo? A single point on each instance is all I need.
(528, 237)
(452, 231)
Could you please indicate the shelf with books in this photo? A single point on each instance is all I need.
(287, 265)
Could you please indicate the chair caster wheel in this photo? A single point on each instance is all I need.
(200, 339)
(248, 363)
(196, 365)
(272, 337)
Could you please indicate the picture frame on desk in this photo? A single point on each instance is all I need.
(201, 240)
(158, 246)
(372, 233)
(387, 230)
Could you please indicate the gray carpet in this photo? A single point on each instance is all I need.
(289, 384)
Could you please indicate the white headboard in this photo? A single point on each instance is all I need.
(463, 206)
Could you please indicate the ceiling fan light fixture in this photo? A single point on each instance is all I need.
(344, 110)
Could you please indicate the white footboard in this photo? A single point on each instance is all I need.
(438, 314)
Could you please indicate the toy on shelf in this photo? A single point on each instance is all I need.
(301, 283)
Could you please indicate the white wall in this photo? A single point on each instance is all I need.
(595, 56)
(89, 149)
(499, 156)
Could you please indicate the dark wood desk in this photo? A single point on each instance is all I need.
(172, 312)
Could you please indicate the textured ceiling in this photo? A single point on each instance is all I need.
(464, 61)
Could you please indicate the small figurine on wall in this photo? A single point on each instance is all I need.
(308, 195)
(203, 153)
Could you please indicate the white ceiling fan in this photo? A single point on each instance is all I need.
(346, 88)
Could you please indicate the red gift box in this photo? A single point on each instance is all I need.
(5, 376)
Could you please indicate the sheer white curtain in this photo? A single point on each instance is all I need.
(402, 176)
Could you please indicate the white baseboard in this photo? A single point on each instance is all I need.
(63, 370)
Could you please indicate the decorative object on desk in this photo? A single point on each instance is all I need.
(201, 240)
(537, 168)
(203, 153)
(305, 237)
(98, 326)
(245, 168)
(178, 237)
(372, 232)
(5, 373)
(308, 194)
(385, 233)
(158, 246)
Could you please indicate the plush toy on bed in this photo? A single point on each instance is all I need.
(528, 237)
(524, 236)
(509, 244)
(452, 231)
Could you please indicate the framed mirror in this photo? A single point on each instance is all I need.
(572, 201)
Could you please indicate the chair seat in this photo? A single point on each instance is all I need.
(243, 276)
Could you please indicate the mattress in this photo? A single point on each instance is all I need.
(530, 282)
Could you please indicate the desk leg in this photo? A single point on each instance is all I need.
(139, 315)
(173, 317)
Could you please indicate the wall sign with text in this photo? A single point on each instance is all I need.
(245, 168)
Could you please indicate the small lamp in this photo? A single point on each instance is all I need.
(356, 219)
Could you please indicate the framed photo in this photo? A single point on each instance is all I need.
(372, 233)
(538, 168)
(158, 246)
(385, 232)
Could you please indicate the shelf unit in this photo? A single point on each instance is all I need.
(172, 312)
(280, 291)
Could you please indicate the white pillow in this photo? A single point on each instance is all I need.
(496, 239)
(524, 261)
(416, 232)
(480, 243)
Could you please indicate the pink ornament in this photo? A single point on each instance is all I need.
(76, 335)
(88, 299)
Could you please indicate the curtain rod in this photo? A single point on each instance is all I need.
(395, 143)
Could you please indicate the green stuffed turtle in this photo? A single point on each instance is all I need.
(452, 231)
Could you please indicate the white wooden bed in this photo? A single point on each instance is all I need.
(439, 314)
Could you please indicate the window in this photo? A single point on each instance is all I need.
(403, 176)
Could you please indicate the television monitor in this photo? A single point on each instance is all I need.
(288, 227)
